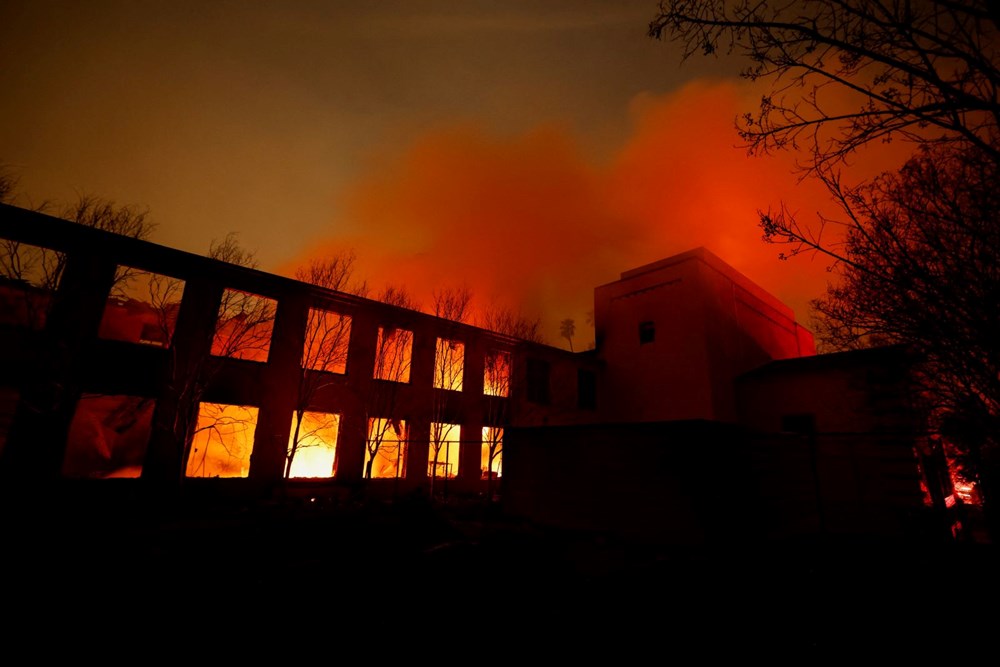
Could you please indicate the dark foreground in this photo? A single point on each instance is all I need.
(459, 568)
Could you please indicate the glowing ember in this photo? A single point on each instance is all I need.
(967, 491)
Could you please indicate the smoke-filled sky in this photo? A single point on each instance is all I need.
(528, 150)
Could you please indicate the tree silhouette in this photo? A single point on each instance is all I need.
(925, 72)
(326, 345)
(913, 253)
(242, 330)
(388, 435)
(453, 306)
(8, 184)
(567, 328)
(497, 381)
(919, 266)
(38, 271)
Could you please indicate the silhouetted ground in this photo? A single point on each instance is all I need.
(361, 567)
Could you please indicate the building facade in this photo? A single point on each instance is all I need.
(128, 359)
(703, 410)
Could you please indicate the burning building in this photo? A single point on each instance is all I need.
(702, 411)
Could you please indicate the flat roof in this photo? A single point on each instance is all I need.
(707, 257)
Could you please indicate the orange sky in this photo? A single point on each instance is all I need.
(528, 150)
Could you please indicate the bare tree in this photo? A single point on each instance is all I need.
(497, 371)
(497, 381)
(387, 433)
(509, 322)
(228, 249)
(923, 71)
(918, 266)
(454, 306)
(242, 330)
(912, 253)
(8, 184)
(38, 271)
(326, 345)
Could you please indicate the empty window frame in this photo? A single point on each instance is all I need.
(491, 462)
(223, 441)
(243, 326)
(442, 454)
(28, 276)
(449, 364)
(328, 335)
(312, 445)
(496, 373)
(108, 437)
(393, 351)
(385, 454)
(142, 307)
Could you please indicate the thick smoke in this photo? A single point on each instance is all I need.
(530, 222)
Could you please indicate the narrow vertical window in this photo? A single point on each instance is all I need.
(647, 332)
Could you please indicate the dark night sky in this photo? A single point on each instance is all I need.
(530, 150)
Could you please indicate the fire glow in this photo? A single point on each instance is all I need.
(223, 441)
(316, 454)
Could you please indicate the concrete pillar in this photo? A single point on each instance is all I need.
(419, 448)
(473, 405)
(420, 406)
(279, 393)
(351, 445)
(177, 406)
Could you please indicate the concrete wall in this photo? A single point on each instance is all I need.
(846, 427)
(711, 324)
(670, 483)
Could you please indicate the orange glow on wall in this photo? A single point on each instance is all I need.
(393, 354)
(388, 438)
(496, 374)
(316, 453)
(142, 307)
(442, 455)
(243, 327)
(492, 451)
(328, 336)
(449, 364)
(223, 441)
(108, 437)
